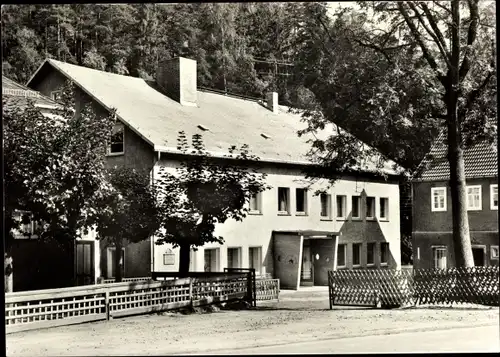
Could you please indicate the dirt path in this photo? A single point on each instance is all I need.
(297, 317)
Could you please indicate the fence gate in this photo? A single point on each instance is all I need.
(84, 263)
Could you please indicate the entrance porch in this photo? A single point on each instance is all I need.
(303, 258)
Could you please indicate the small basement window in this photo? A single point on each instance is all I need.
(117, 142)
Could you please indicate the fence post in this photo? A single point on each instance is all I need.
(254, 288)
(106, 304)
(191, 291)
(330, 290)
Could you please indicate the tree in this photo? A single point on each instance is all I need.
(128, 213)
(202, 192)
(432, 67)
(53, 167)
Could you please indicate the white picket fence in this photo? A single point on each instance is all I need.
(56, 307)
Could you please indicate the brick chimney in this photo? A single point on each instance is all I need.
(272, 101)
(177, 77)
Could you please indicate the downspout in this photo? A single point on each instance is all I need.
(153, 237)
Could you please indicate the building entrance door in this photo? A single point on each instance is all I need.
(479, 256)
(307, 271)
(84, 263)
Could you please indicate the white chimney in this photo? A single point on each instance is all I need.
(177, 77)
(272, 101)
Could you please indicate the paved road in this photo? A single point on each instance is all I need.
(471, 339)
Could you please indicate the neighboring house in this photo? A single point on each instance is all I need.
(290, 233)
(432, 211)
(37, 264)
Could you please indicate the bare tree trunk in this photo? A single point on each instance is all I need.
(9, 273)
(184, 259)
(118, 261)
(461, 236)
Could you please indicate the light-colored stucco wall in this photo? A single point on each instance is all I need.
(257, 230)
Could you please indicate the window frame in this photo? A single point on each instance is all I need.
(435, 249)
(492, 249)
(373, 212)
(328, 216)
(384, 244)
(353, 217)
(18, 233)
(287, 212)
(374, 245)
(386, 205)
(359, 246)
(439, 209)
(250, 261)
(239, 253)
(480, 208)
(345, 255)
(110, 143)
(217, 259)
(344, 208)
(55, 95)
(304, 191)
(258, 200)
(492, 206)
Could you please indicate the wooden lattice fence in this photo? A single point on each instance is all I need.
(391, 288)
(57, 307)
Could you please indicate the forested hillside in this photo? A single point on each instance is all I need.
(241, 48)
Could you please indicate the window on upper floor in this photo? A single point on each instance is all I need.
(341, 206)
(56, 95)
(283, 200)
(438, 199)
(494, 197)
(370, 207)
(117, 141)
(326, 204)
(27, 226)
(256, 203)
(474, 198)
(384, 208)
(356, 207)
(301, 201)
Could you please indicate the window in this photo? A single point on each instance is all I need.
(439, 257)
(256, 203)
(494, 252)
(211, 260)
(370, 254)
(355, 212)
(116, 143)
(233, 257)
(169, 257)
(255, 259)
(356, 254)
(474, 198)
(341, 256)
(192, 260)
(301, 201)
(283, 200)
(111, 262)
(56, 95)
(384, 253)
(438, 199)
(494, 197)
(326, 203)
(370, 207)
(27, 227)
(384, 208)
(341, 203)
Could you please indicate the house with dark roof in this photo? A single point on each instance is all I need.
(432, 215)
(290, 233)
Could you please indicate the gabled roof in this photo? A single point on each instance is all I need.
(16, 91)
(222, 120)
(480, 160)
